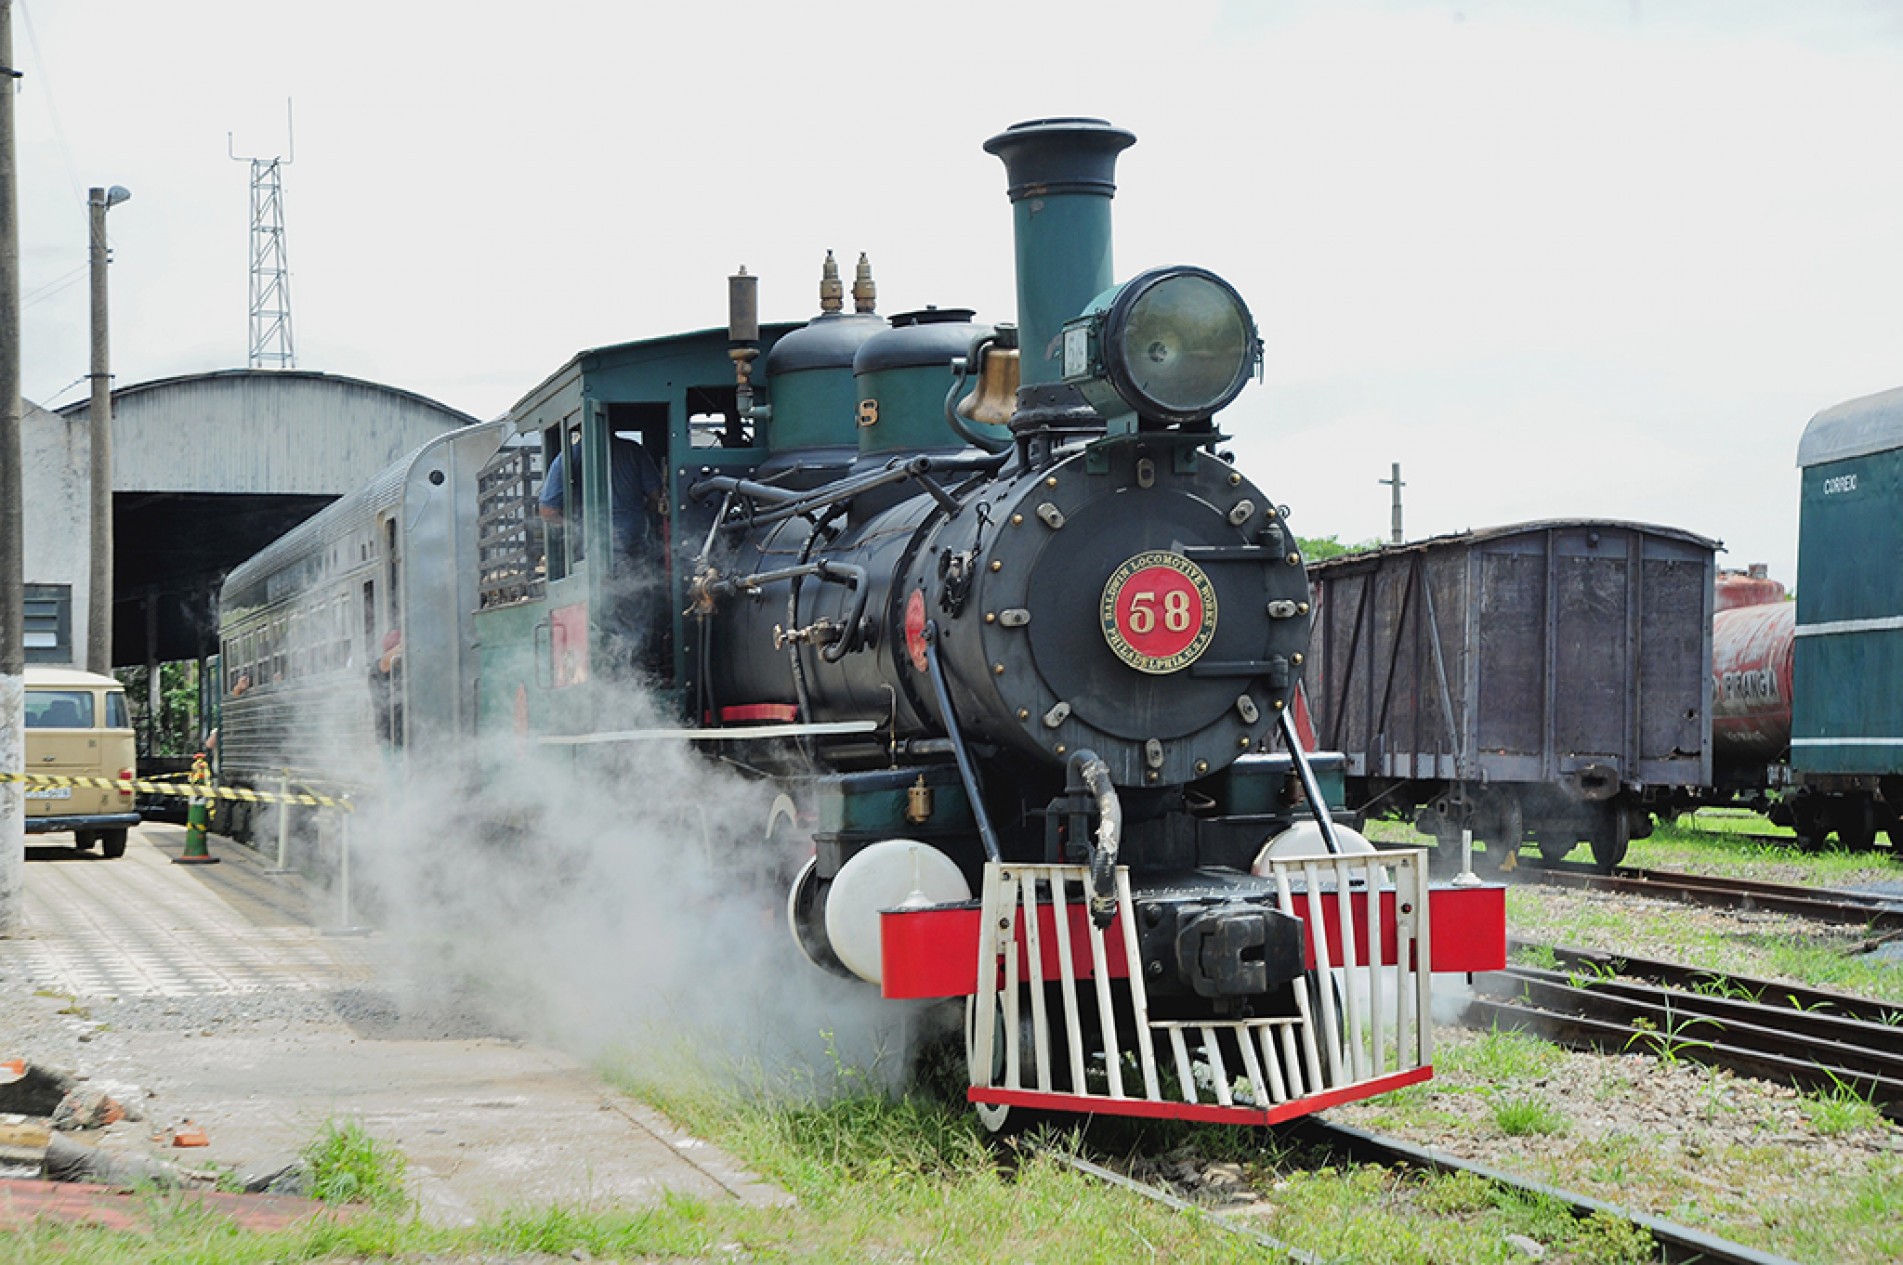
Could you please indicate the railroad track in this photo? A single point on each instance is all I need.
(1676, 1244)
(1808, 1038)
(1863, 909)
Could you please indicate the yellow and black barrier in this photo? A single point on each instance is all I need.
(186, 790)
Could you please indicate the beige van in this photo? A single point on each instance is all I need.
(77, 725)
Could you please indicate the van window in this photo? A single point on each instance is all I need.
(59, 709)
(116, 715)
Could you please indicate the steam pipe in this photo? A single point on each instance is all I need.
(789, 503)
(1087, 773)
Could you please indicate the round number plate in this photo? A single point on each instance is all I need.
(1159, 612)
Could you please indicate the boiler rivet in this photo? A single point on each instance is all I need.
(1061, 748)
(1301, 608)
(1278, 704)
(1202, 766)
(991, 617)
(1234, 479)
(1243, 742)
(1151, 776)
(997, 564)
(1050, 481)
(997, 669)
(1269, 512)
(1024, 713)
(1017, 520)
(1295, 659)
(1293, 559)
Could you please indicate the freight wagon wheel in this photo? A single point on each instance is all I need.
(1856, 821)
(1555, 850)
(1809, 823)
(1499, 824)
(1610, 835)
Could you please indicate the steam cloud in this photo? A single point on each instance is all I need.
(613, 897)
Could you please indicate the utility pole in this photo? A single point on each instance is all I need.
(99, 414)
(1394, 481)
(12, 523)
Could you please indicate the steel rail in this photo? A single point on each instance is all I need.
(1698, 979)
(1861, 909)
(1794, 1047)
(1677, 1244)
(1168, 1200)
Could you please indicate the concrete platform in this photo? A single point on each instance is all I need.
(215, 988)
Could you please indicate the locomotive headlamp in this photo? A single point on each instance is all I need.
(1171, 345)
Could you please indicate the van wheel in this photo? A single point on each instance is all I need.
(84, 839)
(112, 844)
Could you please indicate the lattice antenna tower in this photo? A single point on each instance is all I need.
(272, 346)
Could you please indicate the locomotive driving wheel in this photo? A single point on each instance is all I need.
(1001, 1118)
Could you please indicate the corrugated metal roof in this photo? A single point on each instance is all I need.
(263, 431)
(1855, 428)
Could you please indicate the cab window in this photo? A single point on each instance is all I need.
(59, 709)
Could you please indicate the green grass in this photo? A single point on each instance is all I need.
(1840, 1110)
(1520, 1117)
(1501, 1057)
(1791, 949)
(1712, 841)
(345, 1165)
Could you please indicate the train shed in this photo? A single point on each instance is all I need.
(207, 469)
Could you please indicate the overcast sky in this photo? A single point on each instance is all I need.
(1599, 258)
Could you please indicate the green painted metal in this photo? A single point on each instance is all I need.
(1847, 715)
(815, 408)
(1063, 262)
(874, 803)
(911, 410)
(1264, 785)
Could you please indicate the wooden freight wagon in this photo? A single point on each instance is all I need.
(1545, 682)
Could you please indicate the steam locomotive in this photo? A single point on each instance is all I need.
(992, 607)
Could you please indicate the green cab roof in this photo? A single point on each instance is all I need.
(1855, 428)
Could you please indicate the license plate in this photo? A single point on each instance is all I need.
(51, 792)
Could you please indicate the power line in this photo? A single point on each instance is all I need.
(52, 108)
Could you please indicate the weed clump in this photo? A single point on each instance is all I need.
(347, 1165)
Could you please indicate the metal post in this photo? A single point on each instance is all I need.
(99, 417)
(1394, 481)
(344, 926)
(284, 823)
(12, 523)
(1466, 877)
(154, 696)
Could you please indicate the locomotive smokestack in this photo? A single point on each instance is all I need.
(1061, 175)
